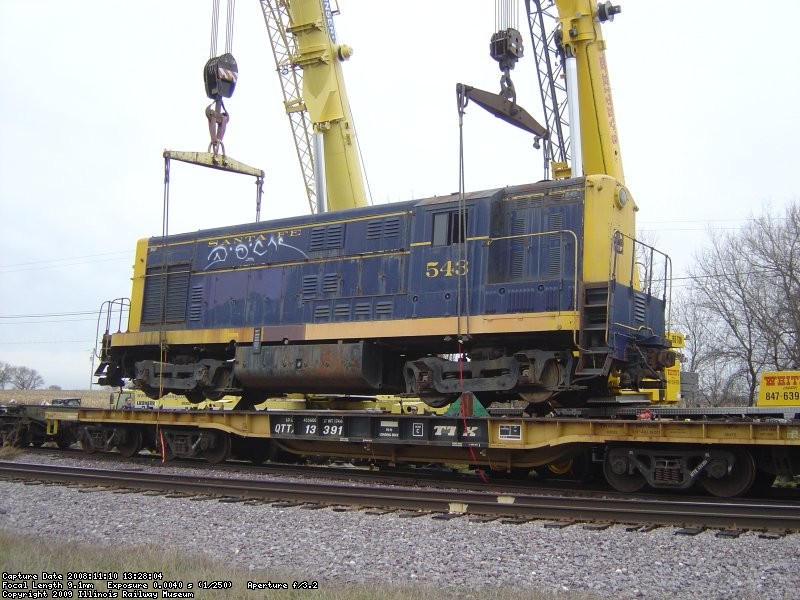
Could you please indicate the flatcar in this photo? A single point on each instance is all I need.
(528, 294)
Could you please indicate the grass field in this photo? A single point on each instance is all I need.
(23, 554)
(92, 399)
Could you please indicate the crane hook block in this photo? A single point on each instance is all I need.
(220, 75)
(506, 48)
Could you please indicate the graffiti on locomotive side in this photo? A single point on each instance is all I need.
(251, 248)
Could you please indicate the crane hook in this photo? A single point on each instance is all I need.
(217, 122)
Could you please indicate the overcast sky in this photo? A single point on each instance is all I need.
(705, 93)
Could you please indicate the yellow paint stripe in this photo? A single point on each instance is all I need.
(184, 336)
(519, 323)
(396, 328)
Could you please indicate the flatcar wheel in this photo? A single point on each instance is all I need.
(132, 443)
(257, 450)
(220, 450)
(617, 472)
(16, 437)
(86, 445)
(515, 473)
(737, 481)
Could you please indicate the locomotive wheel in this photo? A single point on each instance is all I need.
(132, 443)
(195, 396)
(550, 379)
(438, 402)
(737, 481)
(616, 470)
(152, 393)
(220, 450)
(249, 399)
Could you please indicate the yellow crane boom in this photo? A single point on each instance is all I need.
(587, 72)
(308, 60)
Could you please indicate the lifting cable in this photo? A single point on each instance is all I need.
(228, 27)
(461, 266)
(162, 333)
(462, 300)
(506, 14)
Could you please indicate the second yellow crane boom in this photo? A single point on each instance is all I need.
(308, 60)
(596, 147)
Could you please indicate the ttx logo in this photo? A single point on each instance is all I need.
(450, 431)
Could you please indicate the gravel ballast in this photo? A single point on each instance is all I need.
(352, 546)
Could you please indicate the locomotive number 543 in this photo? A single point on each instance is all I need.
(446, 269)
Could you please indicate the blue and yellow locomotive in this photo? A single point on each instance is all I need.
(530, 293)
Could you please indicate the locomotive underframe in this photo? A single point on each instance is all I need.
(503, 367)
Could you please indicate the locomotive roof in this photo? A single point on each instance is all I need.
(324, 218)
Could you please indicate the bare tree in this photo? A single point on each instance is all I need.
(25, 378)
(6, 371)
(743, 310)
(773, 253)
(706, 352)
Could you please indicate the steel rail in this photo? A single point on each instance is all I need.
(741, 515)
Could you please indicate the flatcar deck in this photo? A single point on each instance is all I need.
(725, 454)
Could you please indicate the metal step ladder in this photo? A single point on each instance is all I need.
(594, 357)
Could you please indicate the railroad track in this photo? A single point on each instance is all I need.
(735, 516)
(402, 475)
